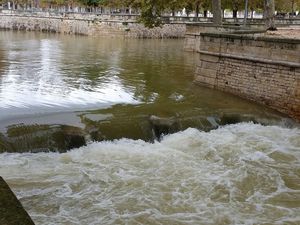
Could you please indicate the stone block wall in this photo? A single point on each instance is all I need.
(262, 69)
(95, 27)
(194, 31)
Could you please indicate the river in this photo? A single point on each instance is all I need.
(79, 146)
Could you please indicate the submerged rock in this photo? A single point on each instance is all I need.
(41, 138)
(162, 126)
(4, 144)
(108, 127)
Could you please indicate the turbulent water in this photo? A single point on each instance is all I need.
(59, 92)
(237, 174)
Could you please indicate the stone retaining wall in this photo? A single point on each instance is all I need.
(262, 69)
(95, 27)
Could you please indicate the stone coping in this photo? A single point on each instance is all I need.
(253, 59)
(244, 36)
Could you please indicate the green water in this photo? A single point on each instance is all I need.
(61, 92)
(58, 92)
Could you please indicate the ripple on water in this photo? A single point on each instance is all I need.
(238, 174)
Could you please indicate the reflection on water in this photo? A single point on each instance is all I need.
(67, 82)
(38, 75)
(44, 71)
(62, 92)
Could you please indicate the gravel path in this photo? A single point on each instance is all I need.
(286, 32)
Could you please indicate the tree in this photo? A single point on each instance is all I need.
(287, 5)
(216, 10)
(151, 11)
(256, 5)
(234, 5)
(269, 14)
(174, 5)
(205, 5)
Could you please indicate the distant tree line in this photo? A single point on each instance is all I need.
(152, 10)
(159, 6)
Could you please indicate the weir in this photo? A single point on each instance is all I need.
(82, 94)
(61, 138)
(136, 79)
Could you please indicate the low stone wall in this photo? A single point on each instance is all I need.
(95, 27)
(262, 69)
(193, 32)
(231, 25)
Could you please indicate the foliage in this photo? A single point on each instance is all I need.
(287, 5)
(151, 11)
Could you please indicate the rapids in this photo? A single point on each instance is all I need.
(237, 174)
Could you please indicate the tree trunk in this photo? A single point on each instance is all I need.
(217, 12)
(205, 13)
(270, 15)
(197, 10)
(234, 13)
(246, 13)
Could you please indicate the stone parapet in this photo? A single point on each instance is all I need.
(105, 15)
(194, 31)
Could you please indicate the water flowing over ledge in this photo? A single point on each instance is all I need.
(237, 174)
(243, 173)
(58, 92)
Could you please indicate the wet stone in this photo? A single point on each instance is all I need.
(11, 210)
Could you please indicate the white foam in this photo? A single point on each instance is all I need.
(232, 175)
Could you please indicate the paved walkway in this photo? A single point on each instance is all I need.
(286, 32)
